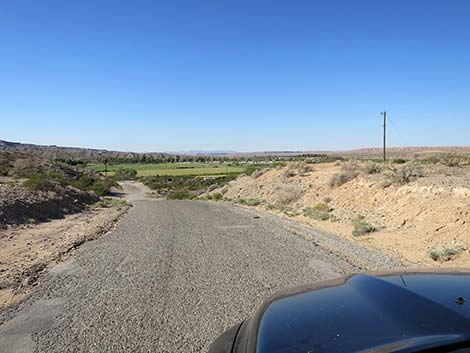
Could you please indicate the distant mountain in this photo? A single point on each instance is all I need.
(203, 152)
(53, 151)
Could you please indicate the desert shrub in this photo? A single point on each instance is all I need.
(102, 187)
(430, 160)
(86, 182)
(250, 169)
(372, 168)
(99, 186)
(384, 183)
(4, 169)
(406, 174)
(286, 194)
(361, 226)
(399, 161)
(216, 196)
(286, 209)
(46, 181)
(322, 158)
(247, 202)
(321, 207)
(341, 178)
(106, 202)
(445, 254)
(303, 168)
(453, 160)
(350, 166)
(125, 174)
(349, 170)
(297, 168)
(434, 254)
(180, 195)
(39, 181)
(319, 212)
(194, 185)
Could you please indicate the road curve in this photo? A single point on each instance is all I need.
(132, 191)
(171, 277)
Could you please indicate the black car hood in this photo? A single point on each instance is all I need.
(394, 312)
(412, 311)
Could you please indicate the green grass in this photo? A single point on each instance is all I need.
(174, 169)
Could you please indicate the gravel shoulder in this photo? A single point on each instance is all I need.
(172, 276)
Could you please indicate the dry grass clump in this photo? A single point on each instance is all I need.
(372, 168)
(297, 168)
(400, 174)
(349, 170)
(454, 160)
(285, 195)
(447, 159)
(405, 174)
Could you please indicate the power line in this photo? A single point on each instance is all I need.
(398, 132)
(384, 114)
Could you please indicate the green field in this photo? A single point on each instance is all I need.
(173, 169)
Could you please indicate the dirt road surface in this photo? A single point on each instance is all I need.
(173, 276)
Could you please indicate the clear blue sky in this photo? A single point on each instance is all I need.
(238, 75)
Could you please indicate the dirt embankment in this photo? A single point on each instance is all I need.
(34, 189)
(19, 205)
(27, 251)
(418, 219)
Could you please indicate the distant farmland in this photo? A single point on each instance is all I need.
(175, 169)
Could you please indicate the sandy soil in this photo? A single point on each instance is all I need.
(26, 252)
(428, 213)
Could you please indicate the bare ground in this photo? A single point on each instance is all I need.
(26, 252)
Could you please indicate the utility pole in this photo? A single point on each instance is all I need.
(384, 113)
(105, 161)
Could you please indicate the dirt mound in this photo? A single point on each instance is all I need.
(35, 189)
(415, 212)
(20, 205)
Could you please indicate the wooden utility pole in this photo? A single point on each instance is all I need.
(105, 161)
(384, 113)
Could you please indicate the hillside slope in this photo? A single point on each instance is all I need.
(420, 219)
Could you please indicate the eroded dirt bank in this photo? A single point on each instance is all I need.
(415, 219)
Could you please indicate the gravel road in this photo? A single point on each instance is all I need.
(171, 277)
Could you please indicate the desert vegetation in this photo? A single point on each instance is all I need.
(321, 212)
(361, 226)
(34, 189)
(445, 254)
(186, 187)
